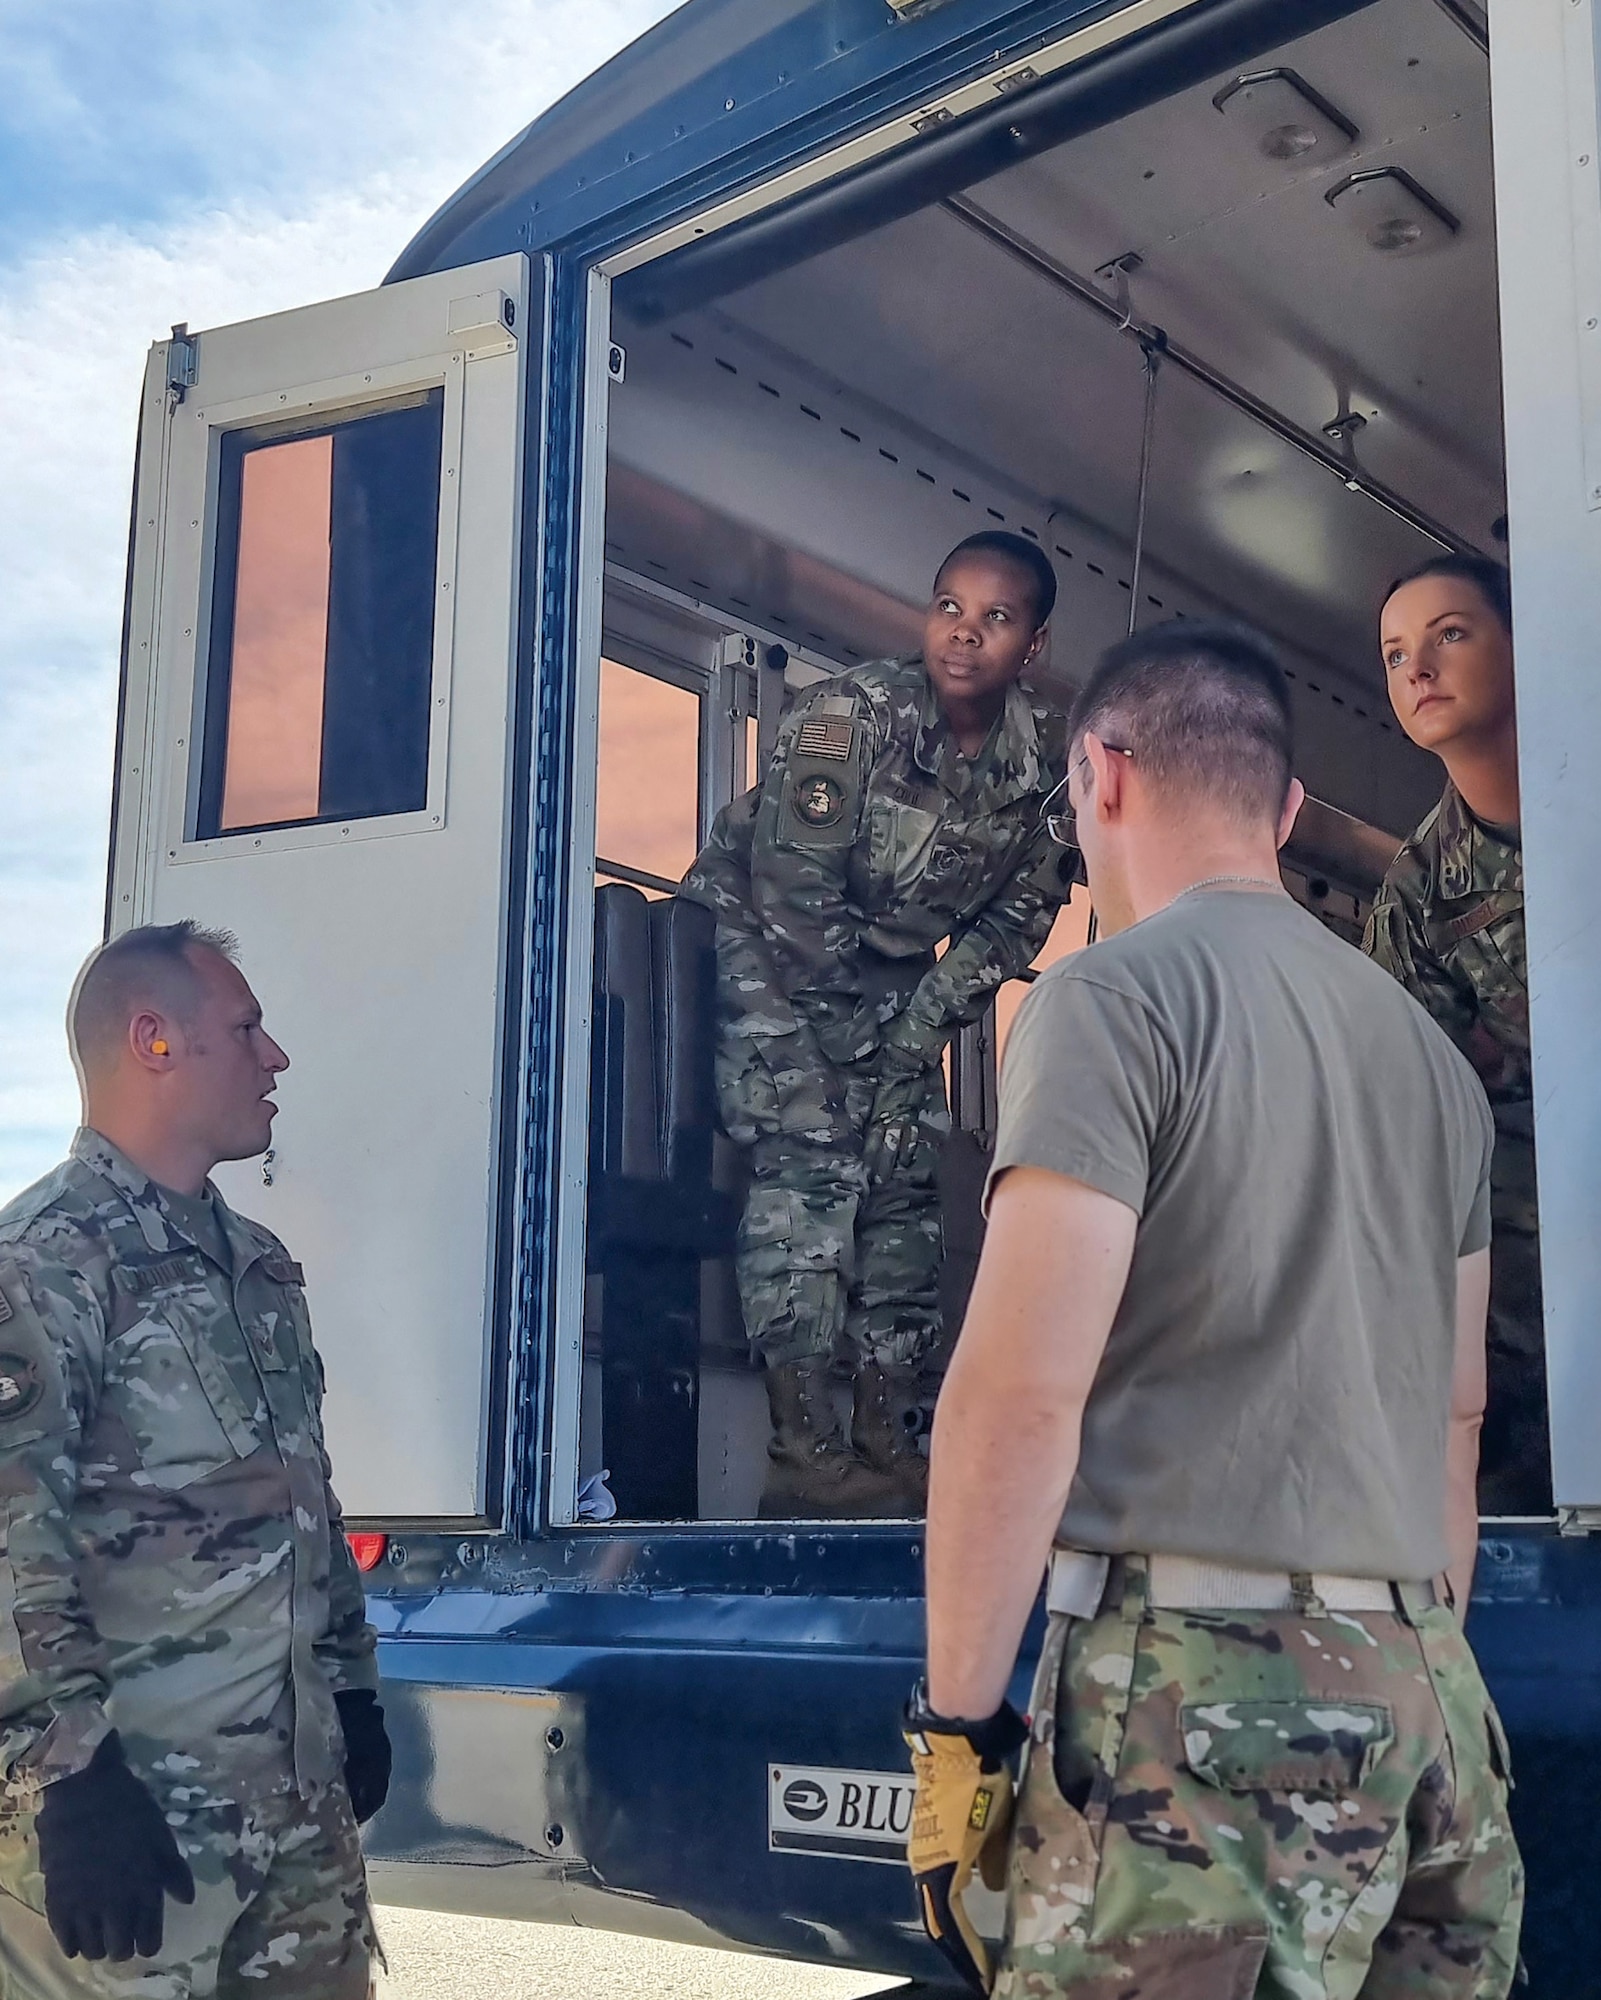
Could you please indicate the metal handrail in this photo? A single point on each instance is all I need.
(1235, 394)
(636, 878)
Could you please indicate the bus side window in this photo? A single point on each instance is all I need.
(648, 794)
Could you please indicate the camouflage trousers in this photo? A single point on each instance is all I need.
(1515, 1448)
(1219, 1805)
(280, 1912)
(840, 1242)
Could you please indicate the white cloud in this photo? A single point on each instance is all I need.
(407, 102)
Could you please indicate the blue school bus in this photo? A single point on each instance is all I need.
(455, 611)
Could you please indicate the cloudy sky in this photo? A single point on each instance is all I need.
(173, 160)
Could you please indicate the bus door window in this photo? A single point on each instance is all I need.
(318, 695)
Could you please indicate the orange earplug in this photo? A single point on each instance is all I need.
(159, 1049)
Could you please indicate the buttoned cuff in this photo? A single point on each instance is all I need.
(912, 1046)
(352, 1672)
(63, 1748)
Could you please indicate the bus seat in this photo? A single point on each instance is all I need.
(654, 1214)
(684, 985)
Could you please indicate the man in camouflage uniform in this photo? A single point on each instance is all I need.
(1222, 1370)
(1448, 923)
(901, 808)
(188, 1723)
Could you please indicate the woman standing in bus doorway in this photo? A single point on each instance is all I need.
(901, 809)
(1448, 923)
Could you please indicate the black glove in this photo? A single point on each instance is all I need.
(108, 1859)
(367, 1753)
(892, 1124)
(961, 1821)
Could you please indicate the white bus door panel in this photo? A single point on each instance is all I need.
(1543, 75)
(315, 755)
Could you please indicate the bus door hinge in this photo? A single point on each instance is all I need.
(483, 324)
(1579, 1520)
(183, 361)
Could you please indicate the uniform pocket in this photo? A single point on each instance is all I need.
(900, 843)
(1500, 1749)
(1055, 1853)
(1285, 1746)
(186, 1417)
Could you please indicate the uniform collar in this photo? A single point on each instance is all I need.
(146, 1200)
(1009, 765)
(1473, 856)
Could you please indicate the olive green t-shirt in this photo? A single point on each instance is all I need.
(1309, 1156)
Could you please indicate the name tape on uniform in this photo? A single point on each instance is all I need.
(852, 1815)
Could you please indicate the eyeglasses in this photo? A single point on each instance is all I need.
(1062, 826)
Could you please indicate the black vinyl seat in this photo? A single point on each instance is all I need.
(654, 1215)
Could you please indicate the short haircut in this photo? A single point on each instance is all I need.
(1489, 578)
(147, 967)
(1023, 554)
(1204, 708)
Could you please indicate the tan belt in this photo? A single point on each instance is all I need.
(1182, 1583)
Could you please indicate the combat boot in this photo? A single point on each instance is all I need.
(884, 1398)
(812, 1472)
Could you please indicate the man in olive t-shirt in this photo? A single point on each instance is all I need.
(1224, 1365)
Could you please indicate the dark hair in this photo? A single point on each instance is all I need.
(1023, 554)
(149, 966)
(1489, 579)
(1204, 708)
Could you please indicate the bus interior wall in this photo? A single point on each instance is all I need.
(1307, 245)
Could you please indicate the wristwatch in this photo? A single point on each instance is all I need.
(994, 1737)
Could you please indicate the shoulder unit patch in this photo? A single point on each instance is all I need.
(21, 1386)
(818, 800)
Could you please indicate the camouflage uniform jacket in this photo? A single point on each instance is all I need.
(174, 1563)
(1448, 923)
(871, 838)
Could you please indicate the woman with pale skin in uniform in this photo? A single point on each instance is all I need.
(1446, 639)
(1448, 923)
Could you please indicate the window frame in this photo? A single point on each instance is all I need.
(695, 680)
(621, 615)
(309, 409)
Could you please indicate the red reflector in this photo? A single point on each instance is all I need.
(368, 1549)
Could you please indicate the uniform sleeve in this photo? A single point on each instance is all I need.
(54, 1671)
(1003, 940)
(1394, 940)
(807, 822)
(348, 1648)
(1085, 1087)
(1480, 1155)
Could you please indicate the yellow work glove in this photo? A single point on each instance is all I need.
(961, 1821)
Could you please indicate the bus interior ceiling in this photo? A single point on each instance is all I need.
(800, 451)
(795, 456)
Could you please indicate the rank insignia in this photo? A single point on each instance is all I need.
(20, 1386)
(818, 801)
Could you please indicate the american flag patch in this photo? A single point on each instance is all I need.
(826, 739)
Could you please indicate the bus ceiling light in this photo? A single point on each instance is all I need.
(368, 1550)
(1393, 213)
(1285, 118)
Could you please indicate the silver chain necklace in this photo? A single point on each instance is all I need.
(1218, 881)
